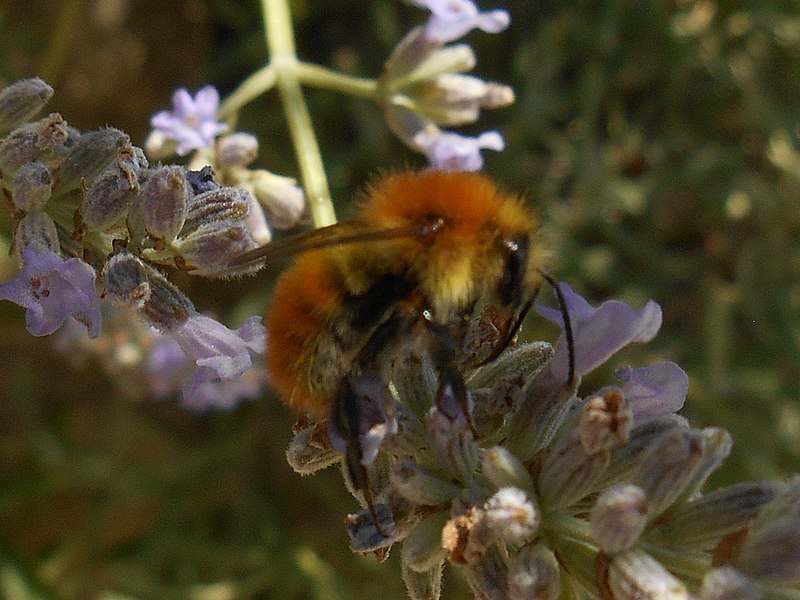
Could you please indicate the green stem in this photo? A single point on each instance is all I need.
(321, 77)
(259, 82)
(283, 59)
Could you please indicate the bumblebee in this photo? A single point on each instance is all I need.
(426, 255)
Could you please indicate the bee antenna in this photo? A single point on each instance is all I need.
(562, 306)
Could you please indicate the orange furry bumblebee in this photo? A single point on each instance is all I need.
(428, 254)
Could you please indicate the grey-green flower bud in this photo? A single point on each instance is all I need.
(452, 443)
(92, 153)
(504, 469)
(125, 280)
(414, 483)
(635, 575)
(726, 583)
(423, 586)
(488, 577)
(31, 186)
(282, 199)
(668, 467)
(422, 549)
(165, 202)
(310, 451)
(37, 230)
(704, 520)
(569, 472)
(21, 100)
(107, 200)
(167, 307)
(236, 150)
(534, 573)
(32, 141)
(618, 518)
(772, 551)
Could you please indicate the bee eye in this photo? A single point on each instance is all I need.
(516, 257)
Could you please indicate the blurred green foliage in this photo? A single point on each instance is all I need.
(658, 138)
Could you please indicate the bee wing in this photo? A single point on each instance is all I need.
(346, 232)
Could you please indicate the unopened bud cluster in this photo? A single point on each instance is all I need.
(93, 220)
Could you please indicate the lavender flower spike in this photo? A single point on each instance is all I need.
(452, 19)
(598, 332)
(54, 289)
(193, 121)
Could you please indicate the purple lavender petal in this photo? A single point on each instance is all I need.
(166, 366)
(225, 352)
(193, 121)
(452, 19)
(454, 152)
(654, 391)
(53, 290)
(599, 333)
(204, 390)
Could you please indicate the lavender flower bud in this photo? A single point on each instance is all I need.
(236, 150)
(668, 467)
(215, 231)
(164, 203)
(31, 186)
(704, 520)
(423, 586)
(772, 551)
(454, 99)
(726, 583)
(606, 421)
(364, 535)
(488, 577)
(414, 483)
(309, 450)
(21, 100)
(569, 472)
(108, 197)
(512, 515)
(618, 518)
(282, 199)
(125, 280)
(533, 572)
(452, 442)
(31, 141)
(167, 308)
(504, 469)
(635, 575)
(36, 230)
(91, 154)
(422, 549)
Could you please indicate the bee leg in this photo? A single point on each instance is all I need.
(443, 347)
(347, 418)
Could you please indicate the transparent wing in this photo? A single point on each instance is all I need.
(346, 232)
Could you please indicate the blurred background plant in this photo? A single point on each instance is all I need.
(658, 139)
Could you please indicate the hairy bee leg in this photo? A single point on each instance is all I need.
(443, 351)
(347, 414)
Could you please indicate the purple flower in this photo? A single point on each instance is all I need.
(453, 152)
(165, 367)
(204, 390)
(653, 391)
(221, 355)
(53, 290)
(193, 121)
(598, 332)
(451, 19)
